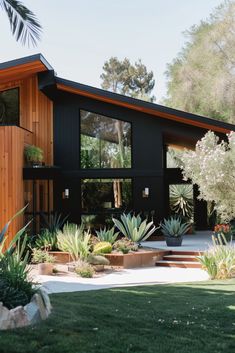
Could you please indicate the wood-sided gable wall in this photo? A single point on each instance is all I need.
(36, 127)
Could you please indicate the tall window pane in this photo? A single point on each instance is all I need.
(9, 107)
(106, 194)
(173, 156)
(105, 142)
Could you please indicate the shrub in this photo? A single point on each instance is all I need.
(97, 260)
(84, 269)
(107, 235)
(102, 248)
(211, 166)
(42, 256)
(46, 240)
(134, 228)
(15, 287)
(219, 261)
(222, 232)
(74, 240)
(54, 223)
(33, 153)
(84, 246)
(125, 245)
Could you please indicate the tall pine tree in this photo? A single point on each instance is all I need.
(131, 80)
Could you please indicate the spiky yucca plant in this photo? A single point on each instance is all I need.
(181, 200)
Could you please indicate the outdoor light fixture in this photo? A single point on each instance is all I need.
(145, 192)
(66, 194)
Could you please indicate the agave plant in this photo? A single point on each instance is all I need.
(174, 227)
(107, 235)
(134, 228)
(46, 240)
(54, 223)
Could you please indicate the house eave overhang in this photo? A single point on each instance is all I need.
(152, 109)
(23, 67)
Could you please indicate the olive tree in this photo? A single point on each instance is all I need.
(212, 167)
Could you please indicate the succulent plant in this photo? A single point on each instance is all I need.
(174, 227)
(107, 235)
(102, 248)
(134, 228)
(97, 260)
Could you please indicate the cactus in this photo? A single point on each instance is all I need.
(102, 248)
(97, 260)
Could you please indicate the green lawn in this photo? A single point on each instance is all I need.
(192, 318)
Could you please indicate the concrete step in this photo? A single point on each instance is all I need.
(181, 252)
(186, 258)
(180, 264)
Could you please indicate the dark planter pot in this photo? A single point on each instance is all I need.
(174, 241)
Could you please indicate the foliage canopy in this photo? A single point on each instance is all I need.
(201, 79)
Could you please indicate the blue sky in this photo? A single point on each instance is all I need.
(79, 35)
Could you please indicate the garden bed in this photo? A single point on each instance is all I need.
(141, 258)
(61, 257)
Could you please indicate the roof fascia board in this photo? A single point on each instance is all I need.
(146, 107)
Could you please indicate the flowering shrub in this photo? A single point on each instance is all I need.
(222, 231)
(212, 167)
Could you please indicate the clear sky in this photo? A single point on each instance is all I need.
(79, 35)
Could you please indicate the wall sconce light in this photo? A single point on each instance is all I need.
(65, 194)
(145, 193)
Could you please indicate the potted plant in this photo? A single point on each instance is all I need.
(44, 260)
(33, 155)
(173, 230)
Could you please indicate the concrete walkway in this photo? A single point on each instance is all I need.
(120, 278)
(134, 277)
(199, 241)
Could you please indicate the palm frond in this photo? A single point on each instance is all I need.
(23, 22)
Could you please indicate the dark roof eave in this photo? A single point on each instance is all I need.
(143, 104)
(26, 60)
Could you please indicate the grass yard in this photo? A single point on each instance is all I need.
(192, 318)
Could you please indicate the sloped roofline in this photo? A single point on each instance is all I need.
(26, 60)
(143, 106)
(36, 63)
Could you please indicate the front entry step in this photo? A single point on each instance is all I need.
(180, 259)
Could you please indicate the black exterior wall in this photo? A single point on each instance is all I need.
(149, 136)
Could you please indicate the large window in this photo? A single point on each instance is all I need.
(9, 107)
(106, 194)
(103, 199)
(105, 142)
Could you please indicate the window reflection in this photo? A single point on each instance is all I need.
(106, 194)
(105, 142)
(9, 107)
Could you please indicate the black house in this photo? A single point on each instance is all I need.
(116, 153)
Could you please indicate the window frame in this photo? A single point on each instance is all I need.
(19, 105)
(80, 145)
(107, 210)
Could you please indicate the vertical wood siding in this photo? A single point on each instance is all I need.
(36, 127)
